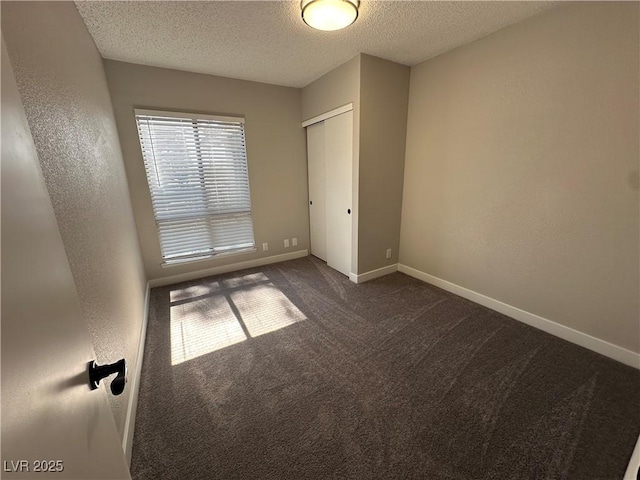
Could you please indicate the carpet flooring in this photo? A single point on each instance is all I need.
(290, 371)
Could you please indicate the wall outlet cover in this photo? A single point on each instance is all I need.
(294, 241)
(286, 243)
(265, 246)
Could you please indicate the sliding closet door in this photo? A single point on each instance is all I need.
(316, 169)
(338, 132)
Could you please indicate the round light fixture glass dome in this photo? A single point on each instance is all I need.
(329, 14)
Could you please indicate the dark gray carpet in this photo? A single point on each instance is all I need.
(389, 379)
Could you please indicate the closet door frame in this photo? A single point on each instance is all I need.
(354, 182)
(317, 190)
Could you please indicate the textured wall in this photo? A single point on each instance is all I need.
(384, 95)
(336, 88)
(275, 152)
(521, 173)
(63, 87)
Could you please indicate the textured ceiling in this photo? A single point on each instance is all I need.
(266, 41)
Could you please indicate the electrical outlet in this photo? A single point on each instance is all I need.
(388, 253)
(294, 242)
(265, 246)
(286, 243)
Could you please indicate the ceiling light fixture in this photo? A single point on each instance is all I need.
(329, 14)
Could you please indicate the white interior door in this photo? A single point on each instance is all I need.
(317, 207)
(48, 411)
(338, 132)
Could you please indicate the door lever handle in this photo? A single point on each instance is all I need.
(99, 372)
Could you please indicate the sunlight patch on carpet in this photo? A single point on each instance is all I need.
(202, 327)
(265, 308)
(215, 315)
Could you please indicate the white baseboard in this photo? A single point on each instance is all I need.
(634, 464)
(378, 272)
(566, 333)
(134, 382)
(232, 267)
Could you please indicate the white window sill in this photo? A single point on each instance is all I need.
(176, 263)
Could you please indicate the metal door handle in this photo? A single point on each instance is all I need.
(99, 372)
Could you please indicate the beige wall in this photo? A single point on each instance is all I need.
(275, 152)
(334, 89)
(384, 95)
(63, 87)
(521, 174)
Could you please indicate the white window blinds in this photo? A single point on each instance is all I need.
(199, 183)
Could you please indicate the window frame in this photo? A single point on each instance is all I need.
(194, 117)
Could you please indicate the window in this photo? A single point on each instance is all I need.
(197, 172)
